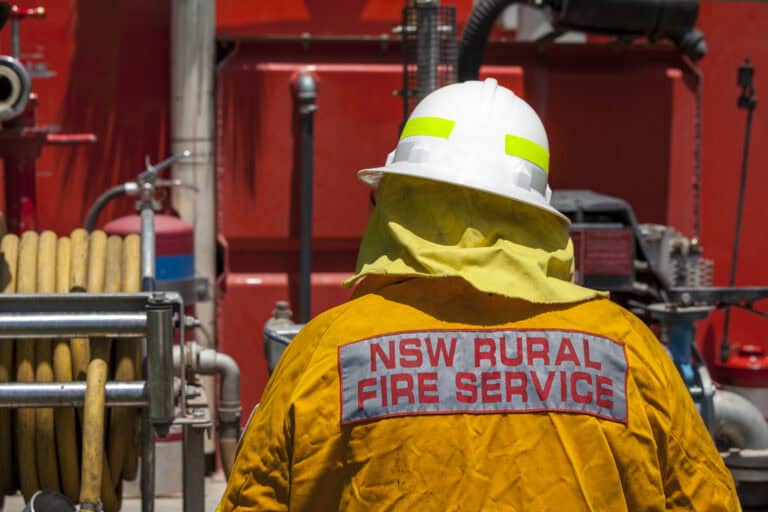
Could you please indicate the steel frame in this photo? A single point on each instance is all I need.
(152, 315)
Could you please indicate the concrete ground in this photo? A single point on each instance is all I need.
(214, 488)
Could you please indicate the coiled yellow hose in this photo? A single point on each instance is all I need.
(66, 431)
(92, 473)
(81, 352)
(46, 440)
(25, 372)
(124, 422)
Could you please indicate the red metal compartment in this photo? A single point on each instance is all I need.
(246, 18)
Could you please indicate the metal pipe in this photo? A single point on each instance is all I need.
(72, 325)
(193, 40)
(193, 71)
(69, 394)
(306, 95)
(160, 366)
(150, 363)
(206, 361)
(147, 483)
(210, 362)
(739, 421)
(147, 250)
(75, 302)
(193, 469)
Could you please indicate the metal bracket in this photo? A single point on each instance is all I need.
(196, 289)
(197, 422)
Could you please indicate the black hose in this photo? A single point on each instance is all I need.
(611, 17)
(475, 36)
(100, 203)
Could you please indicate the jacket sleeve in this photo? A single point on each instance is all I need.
(694, 475)
(261, 476)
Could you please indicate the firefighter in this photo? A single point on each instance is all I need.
(469, 372)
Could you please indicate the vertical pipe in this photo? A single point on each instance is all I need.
(193, 469)
(147, 431)
(192, 128)
(193, 58)
(147, 463)
(306, 94)
(147, 250)
(428, 46)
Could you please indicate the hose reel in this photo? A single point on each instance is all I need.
(39, 447)
(15, 88)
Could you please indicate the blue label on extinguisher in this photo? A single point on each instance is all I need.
(172, 268)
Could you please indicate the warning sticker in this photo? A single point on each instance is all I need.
(477, 372)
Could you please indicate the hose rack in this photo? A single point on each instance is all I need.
(153, 316)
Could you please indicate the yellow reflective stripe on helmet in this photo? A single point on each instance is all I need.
(429, 126)
(527, 150)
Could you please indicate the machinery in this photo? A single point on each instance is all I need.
(21, 139)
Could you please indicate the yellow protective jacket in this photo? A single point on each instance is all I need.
(427, 394)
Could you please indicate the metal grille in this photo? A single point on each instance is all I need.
(677, 257)
(429, 50)
(693, 271)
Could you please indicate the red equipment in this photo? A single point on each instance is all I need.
(21, 142)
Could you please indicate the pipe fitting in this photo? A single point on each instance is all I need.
(229, 409)
(207, 361)
(739, 422)
(306, 92)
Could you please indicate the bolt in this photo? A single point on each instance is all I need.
(158, 298)
(282, 311)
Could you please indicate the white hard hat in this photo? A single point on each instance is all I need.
(478, 135)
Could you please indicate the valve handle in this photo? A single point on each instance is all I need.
(150, 174)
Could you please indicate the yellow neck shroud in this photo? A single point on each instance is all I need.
(422, 228)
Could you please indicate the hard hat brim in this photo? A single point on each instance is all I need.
(373, 175)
